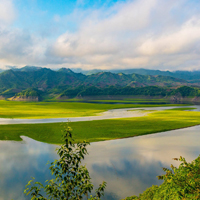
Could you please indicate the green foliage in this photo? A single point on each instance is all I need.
(72, 180)
(180, 183)
(186, 91)
(183, 91)
(30, 92)
(148, 194)
(117, 90)
(9, 92)
(72, 92)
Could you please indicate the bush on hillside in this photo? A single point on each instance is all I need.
(182, 183)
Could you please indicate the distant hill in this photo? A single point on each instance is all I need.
(28, 68)
(65, 82)
(103, 79)
(187, 75)
(191, 76)
(44, 78)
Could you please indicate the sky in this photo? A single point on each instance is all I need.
(100, 34)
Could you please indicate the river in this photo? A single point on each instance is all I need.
(110, 114)
(128, 166)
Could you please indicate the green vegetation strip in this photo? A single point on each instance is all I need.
(183, 108)
(37, 110)
(104, 129)
(163, 101)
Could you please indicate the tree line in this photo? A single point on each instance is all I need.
(184, 91)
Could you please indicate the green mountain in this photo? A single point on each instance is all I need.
(42, 78)
(45, 79)
(186, 75)
(103, 79)
(66, 83)
(29, 68)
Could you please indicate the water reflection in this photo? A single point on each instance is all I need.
(128, 166)
(18, 162)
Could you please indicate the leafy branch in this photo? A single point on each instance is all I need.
(72, 180)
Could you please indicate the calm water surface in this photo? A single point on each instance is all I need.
(128, 166)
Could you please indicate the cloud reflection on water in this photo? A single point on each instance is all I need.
(19, 162)
(131, 165)
(128, 166)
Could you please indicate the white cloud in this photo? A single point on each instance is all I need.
(133, 34)
(97, 36)
(162, 34)
(7, 11)
(179, 41)
(18, 47)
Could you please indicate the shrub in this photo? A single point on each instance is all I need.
(180, 183)
(72, 180)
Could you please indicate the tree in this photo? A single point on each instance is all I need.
(72, 180)
(180, 183)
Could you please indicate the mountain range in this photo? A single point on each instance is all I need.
(51, 82)
(44, 78)
(187, 75)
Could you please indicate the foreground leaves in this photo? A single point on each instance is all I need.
(182, 183)
(72, 180)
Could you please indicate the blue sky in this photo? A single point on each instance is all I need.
(154, 34)
(39, 16)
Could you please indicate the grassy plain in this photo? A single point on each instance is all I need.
(183, 108)
(37, 110)
(92, 131)
(153, 101)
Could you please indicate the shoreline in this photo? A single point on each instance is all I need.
(106, 129)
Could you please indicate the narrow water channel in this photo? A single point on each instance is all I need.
(110, 114)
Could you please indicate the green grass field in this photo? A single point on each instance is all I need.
(92, 131)
(154, 101)
(125, 100)
(36, 110)
(183, 108)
